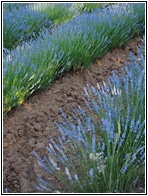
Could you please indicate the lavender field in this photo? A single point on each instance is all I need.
(99, 149)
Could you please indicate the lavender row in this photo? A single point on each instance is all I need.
(25, 20)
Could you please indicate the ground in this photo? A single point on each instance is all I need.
(29, 126)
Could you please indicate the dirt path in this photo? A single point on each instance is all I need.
(29, 126)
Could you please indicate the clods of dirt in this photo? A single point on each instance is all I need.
(30, 126)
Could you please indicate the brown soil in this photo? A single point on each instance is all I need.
(29, 126)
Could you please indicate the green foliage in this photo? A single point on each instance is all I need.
(57, 12)
(11, 6)
(89, 7)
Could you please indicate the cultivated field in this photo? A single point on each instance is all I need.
(73, 97)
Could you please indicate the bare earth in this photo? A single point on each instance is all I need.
(29, 126)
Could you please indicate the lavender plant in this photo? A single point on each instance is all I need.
(34, 72)
(74, 45)
(105, 155)
(21, 24)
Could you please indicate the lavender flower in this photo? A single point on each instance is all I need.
(91, 173)
(54, 163)
(68, 174)
(43, 186)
